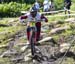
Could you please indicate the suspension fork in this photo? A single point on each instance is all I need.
(32, 41)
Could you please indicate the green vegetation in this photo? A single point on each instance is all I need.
(14, 8)
(5, 61)
(7, 32)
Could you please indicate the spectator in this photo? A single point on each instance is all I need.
(67, 4)
(51, 5)
(46, 6)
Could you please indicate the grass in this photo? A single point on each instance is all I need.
(54, 17)
(5, 61)
(7, 32)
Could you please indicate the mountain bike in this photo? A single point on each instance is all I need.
(35, 52)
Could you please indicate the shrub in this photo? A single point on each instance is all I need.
(12, 9)
(59, 4)
(29, 1)
(73, 6)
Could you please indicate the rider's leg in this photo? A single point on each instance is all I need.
(69, 10)
(28, 33)
(65, 9)
(38, 27)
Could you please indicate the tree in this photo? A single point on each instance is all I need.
(59, 4)
(29, 1)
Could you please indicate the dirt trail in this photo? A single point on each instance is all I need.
(46, 50)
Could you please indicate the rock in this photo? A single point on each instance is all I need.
(59, 30)
(24, 48)
(45, 39)
(11, 20)
(4, 32)
(46, 62)
(64, 44)
(20, 44)
(64, 47)
(8, 53)
(54, 22)
(42, 35)
(3, 46)
(11, 45)
(70, 20)
(45, 27)
(27, 57)
(46, 24)
(17, 58)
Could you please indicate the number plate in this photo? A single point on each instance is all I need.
(32, 24)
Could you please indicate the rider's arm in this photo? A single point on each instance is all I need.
(43, 17)
(22, 18)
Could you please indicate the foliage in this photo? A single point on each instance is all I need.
(29, 1)
(59, 4)
(12, 9)
(73, 1)
(73, 6)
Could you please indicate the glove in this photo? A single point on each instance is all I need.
(43, 20)
(22, 20)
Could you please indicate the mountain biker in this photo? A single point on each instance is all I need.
(31, 15)
(67, 4)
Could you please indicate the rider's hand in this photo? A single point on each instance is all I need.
(44, 18)
(22, 20)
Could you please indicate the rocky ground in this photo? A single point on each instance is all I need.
(18, 52)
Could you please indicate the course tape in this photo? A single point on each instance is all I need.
(53, 12)
(61, 15)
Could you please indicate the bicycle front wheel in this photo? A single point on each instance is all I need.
(32, 41)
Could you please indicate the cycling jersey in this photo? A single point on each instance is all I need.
(30, 18)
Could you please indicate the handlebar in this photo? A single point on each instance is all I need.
(34, 20)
